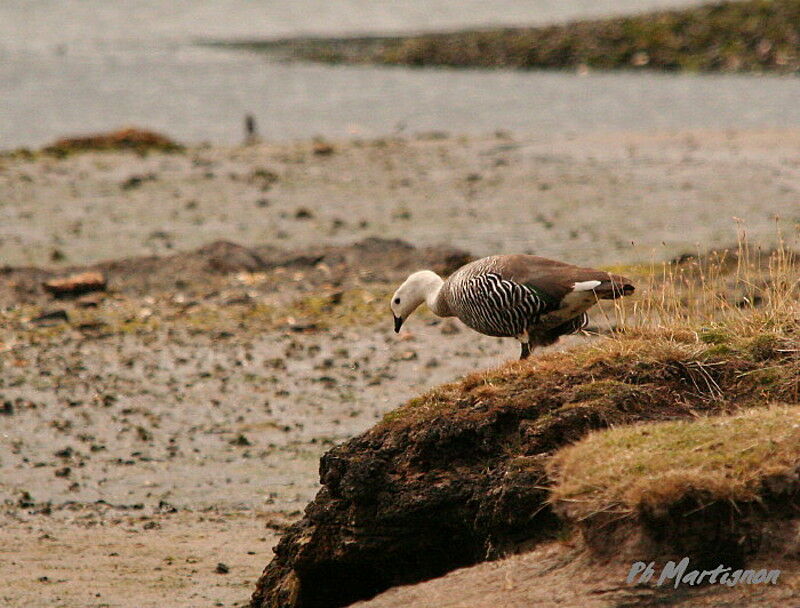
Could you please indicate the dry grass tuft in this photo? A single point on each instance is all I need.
(726, 294)
(649, 467)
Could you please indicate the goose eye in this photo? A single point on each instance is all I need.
(397, 300)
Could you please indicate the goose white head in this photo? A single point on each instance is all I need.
(422, 286)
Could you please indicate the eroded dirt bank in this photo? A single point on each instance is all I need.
(460, 474)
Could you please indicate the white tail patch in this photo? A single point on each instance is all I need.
(579, 300)
(585, 285)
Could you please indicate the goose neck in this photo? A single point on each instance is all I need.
(434, 299)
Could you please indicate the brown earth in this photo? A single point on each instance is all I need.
(131, 138)
(562, 573)
(208, 269)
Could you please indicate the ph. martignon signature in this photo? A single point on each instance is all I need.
(680, 574)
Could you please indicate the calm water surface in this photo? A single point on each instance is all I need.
(72, 66)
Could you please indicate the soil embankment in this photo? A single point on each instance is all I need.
(462, 474)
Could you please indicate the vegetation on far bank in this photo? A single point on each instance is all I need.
(754, 35)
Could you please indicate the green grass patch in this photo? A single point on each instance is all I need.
(655, 465)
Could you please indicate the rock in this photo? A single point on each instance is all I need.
(66, 452)
(240, 440)
(165, 507)
(91, 300)
(322, 148)
(223, 257)
(134, 181)
(51, 318)
(94, 328)
(76, 284)
(263, 177)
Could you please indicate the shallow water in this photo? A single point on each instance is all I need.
(77, 66)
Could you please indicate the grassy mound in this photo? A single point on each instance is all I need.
(747, 359)
(756, 35)
(652, 466)
(661, 372)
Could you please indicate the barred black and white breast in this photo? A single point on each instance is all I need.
(496, 306)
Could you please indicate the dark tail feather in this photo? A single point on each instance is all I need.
(614, 288)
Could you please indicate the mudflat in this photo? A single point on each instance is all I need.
(601, 198)
(157, 436)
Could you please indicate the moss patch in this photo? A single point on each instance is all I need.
(654, 466)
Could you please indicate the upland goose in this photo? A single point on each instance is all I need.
(532, 299)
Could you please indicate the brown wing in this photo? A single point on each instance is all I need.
(557, 279)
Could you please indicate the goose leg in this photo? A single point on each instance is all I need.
(526, 351)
